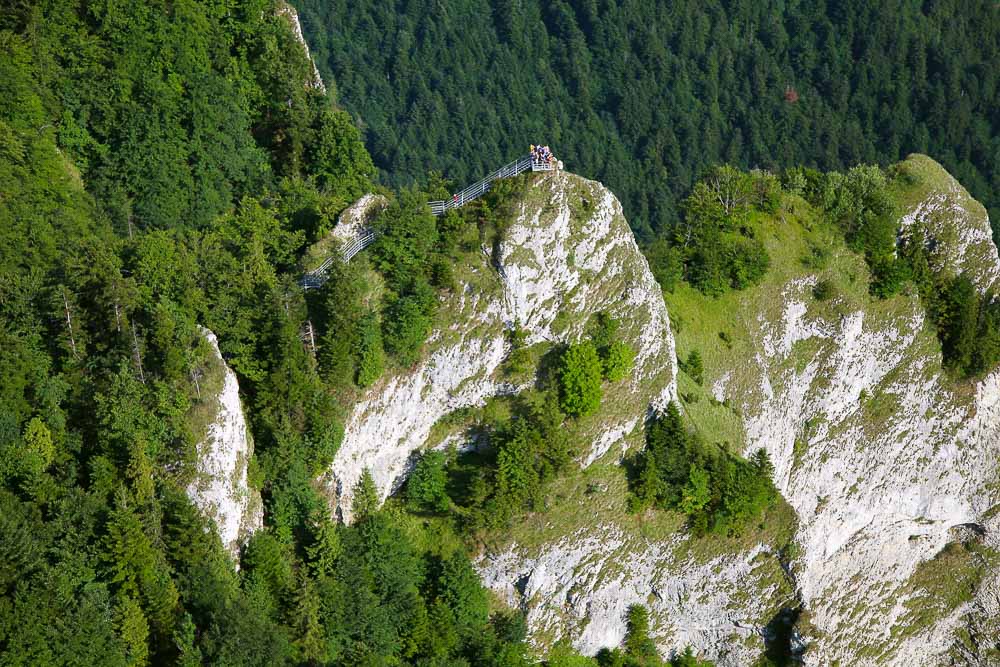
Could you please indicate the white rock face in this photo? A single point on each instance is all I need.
(586, 582)
(562, 260)
(876, 495)
(286, 10)
(879, 453)
(883, 458)
(220, 488)
(355, 218)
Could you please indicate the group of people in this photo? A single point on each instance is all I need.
(541, 155)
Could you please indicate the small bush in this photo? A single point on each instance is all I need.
(442, 274)
(693, 367)
(618, 361)
(519, 360)
(823, 290)
(580, 373)
(602, 329)
(817, 257)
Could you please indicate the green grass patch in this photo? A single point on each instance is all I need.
(942, 584)
(775, 528)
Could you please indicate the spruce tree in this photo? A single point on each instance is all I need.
(366, 498)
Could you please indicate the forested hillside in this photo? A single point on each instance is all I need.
(163, 167)
(645, 95)
(168, 168)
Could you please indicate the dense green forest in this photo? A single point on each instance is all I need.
(163, 166)
(645, 96)
(166, 165)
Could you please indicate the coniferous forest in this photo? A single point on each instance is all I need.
(171, 166)
(645, 96)
(163, 167)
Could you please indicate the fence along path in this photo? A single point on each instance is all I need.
(315, 278)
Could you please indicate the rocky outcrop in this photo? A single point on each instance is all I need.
(956, 226)
(568, 254)
(889, 465)
(220, 488)
(880, 453)
(881, 456)
(287, 11)
(583, 584)
(354, 219)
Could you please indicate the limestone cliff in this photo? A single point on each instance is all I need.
(888, 464)
(886, 550)
(220, 487)
(568, 254)
(884, 458)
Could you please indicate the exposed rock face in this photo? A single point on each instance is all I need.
(355, 218)
(585, 583)
(220, 487)
(885, 460)
(956, 225)
(880, 454)
(286, 10)
(568, 254)
(889, 458)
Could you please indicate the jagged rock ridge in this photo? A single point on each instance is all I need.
(885, 460)
(568, 254)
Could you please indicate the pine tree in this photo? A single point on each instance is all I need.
(426, 489)
(366, 498)
(695, 494)
(638, 644)
(462, 590)
(693, 367)
(134, 630)
(310, 643)
(371, 357)
(325, 547)
(761, 461)
(188, 653)
(650, 489)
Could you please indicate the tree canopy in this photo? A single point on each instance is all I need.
(647, 96)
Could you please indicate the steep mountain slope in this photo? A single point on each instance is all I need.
(885, 460)
(567, 255)
(886, 551)
(883, 457)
